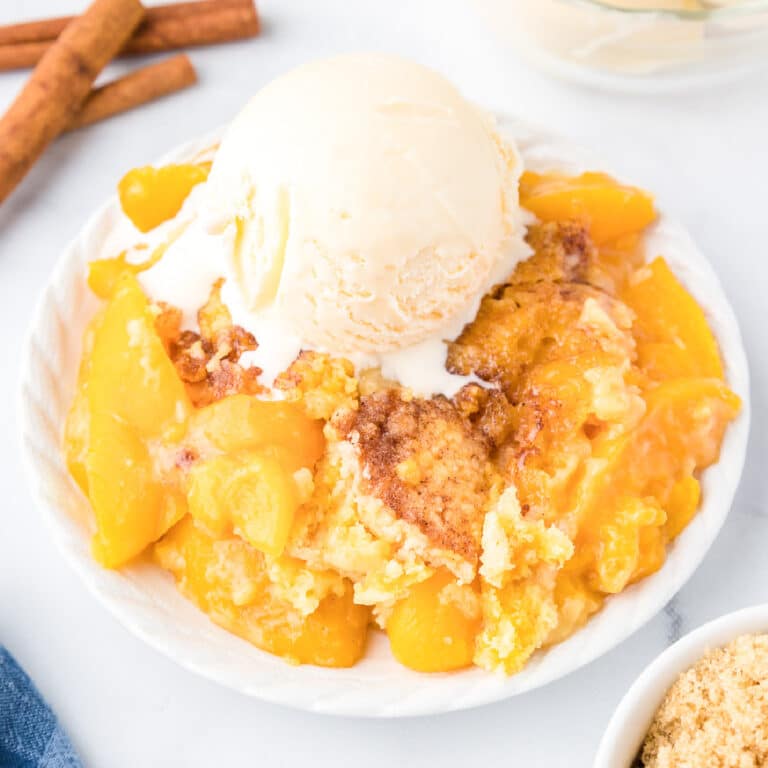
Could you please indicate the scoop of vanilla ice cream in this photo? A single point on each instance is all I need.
(372, 205)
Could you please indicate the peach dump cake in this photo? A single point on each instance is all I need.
(474, 513)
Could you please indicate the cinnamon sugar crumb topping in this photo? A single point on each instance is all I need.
(208, 362)
(427, 464)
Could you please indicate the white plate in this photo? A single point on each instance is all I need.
(630, 722)
(145, 600)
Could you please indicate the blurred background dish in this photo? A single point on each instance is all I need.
(638, 45)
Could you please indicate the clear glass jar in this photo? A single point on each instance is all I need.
(646, 44)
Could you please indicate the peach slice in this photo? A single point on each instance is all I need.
(149, 196)
(667, 313)
(251, 493)
(132, 507)
(647, 492)
(608, 209)
(243, 422)
(681, 505)
(135, 401)
(104, 274)
(431, 630)
(76, 428)
(228, 579)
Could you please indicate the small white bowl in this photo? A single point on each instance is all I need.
(145, 600)
(630, 722)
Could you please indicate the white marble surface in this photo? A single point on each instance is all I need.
(704, 153)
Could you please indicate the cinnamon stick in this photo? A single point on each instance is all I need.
(136, 88)
(225, 22)
(58, 87)
(165, 27)
(22, 55)
(47, 30)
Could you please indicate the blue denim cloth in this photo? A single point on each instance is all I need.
(30, 735)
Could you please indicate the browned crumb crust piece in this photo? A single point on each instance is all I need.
(488, 411)
(534, 317)
(427, 463)
(525, 325)
(562, 252)
(716, 713)
(208, 362)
